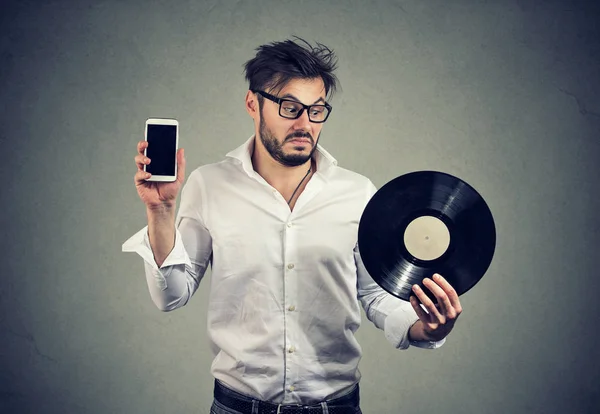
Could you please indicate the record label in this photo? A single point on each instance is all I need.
(423, 223)
(427, 238)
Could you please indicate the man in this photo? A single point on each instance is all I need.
(278, 222)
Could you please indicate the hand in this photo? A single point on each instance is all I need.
(437, 322)
(157, 194)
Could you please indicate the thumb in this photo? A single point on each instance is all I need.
(180, 165)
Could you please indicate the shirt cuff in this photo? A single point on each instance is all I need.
(428, 344)
(140, 243)
(397, 324)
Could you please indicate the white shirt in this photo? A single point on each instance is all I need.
(286, 286)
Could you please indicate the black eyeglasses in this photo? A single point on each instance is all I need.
(293, 109)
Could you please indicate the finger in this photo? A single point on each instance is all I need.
(141, 146)
(441, 296)
(140, 177)
(418, 309)
(428, 303)
(141, 160)
(450, 291)
(180, 165)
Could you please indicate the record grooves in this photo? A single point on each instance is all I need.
(422, 223)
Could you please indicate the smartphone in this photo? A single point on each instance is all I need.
(162, 135)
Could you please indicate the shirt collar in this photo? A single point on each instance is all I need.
(242, 154)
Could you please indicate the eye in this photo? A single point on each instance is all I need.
(290, 107)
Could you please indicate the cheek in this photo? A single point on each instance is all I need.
(278, 128)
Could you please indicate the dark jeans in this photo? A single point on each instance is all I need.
(226, 399)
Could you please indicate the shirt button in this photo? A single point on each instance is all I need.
(289, 225)
(292, 388)
(292, 349)
(291, 266)
(292, 308)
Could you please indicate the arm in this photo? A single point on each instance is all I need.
(161, 231)
(177, 252)
(392, 315)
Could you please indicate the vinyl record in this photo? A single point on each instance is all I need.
(423, 223)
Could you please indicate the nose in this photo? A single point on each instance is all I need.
(303, 122)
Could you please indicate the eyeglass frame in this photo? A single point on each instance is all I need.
(300, 112)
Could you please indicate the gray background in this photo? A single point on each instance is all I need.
(504, 94)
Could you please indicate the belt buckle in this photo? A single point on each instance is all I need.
(294, 408)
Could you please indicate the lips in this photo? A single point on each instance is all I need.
(300, 141)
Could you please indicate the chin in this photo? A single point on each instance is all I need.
(302, 152)
(297, 157)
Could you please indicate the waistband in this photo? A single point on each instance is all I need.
(346, 404)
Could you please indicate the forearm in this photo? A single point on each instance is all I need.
(179, 275)
(161, 231)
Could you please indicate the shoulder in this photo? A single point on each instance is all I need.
(210, 172)
(344, 176)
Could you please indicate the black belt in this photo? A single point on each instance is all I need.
(343, 405)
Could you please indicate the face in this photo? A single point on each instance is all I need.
(291, 142)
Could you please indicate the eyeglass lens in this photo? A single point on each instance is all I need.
(290, 109)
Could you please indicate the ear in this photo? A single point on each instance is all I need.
(251, 104)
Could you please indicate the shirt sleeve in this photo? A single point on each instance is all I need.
(173, 283)
(391, 314)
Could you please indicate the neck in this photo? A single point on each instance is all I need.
(279, 176)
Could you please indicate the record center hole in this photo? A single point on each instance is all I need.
(427, 238)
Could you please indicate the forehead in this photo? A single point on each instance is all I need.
(305, 90)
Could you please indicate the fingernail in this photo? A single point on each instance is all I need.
(416, 287)
(436, 276)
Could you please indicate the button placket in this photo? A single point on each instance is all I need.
(290, 298)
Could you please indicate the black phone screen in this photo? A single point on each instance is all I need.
(161, 149)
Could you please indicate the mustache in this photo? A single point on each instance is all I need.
(300, 134)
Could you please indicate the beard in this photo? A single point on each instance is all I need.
(275, 148)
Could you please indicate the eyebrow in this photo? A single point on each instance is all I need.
(289, 95)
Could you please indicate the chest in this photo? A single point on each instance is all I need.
(259, 229)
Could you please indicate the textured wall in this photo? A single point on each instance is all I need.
(505, 94)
